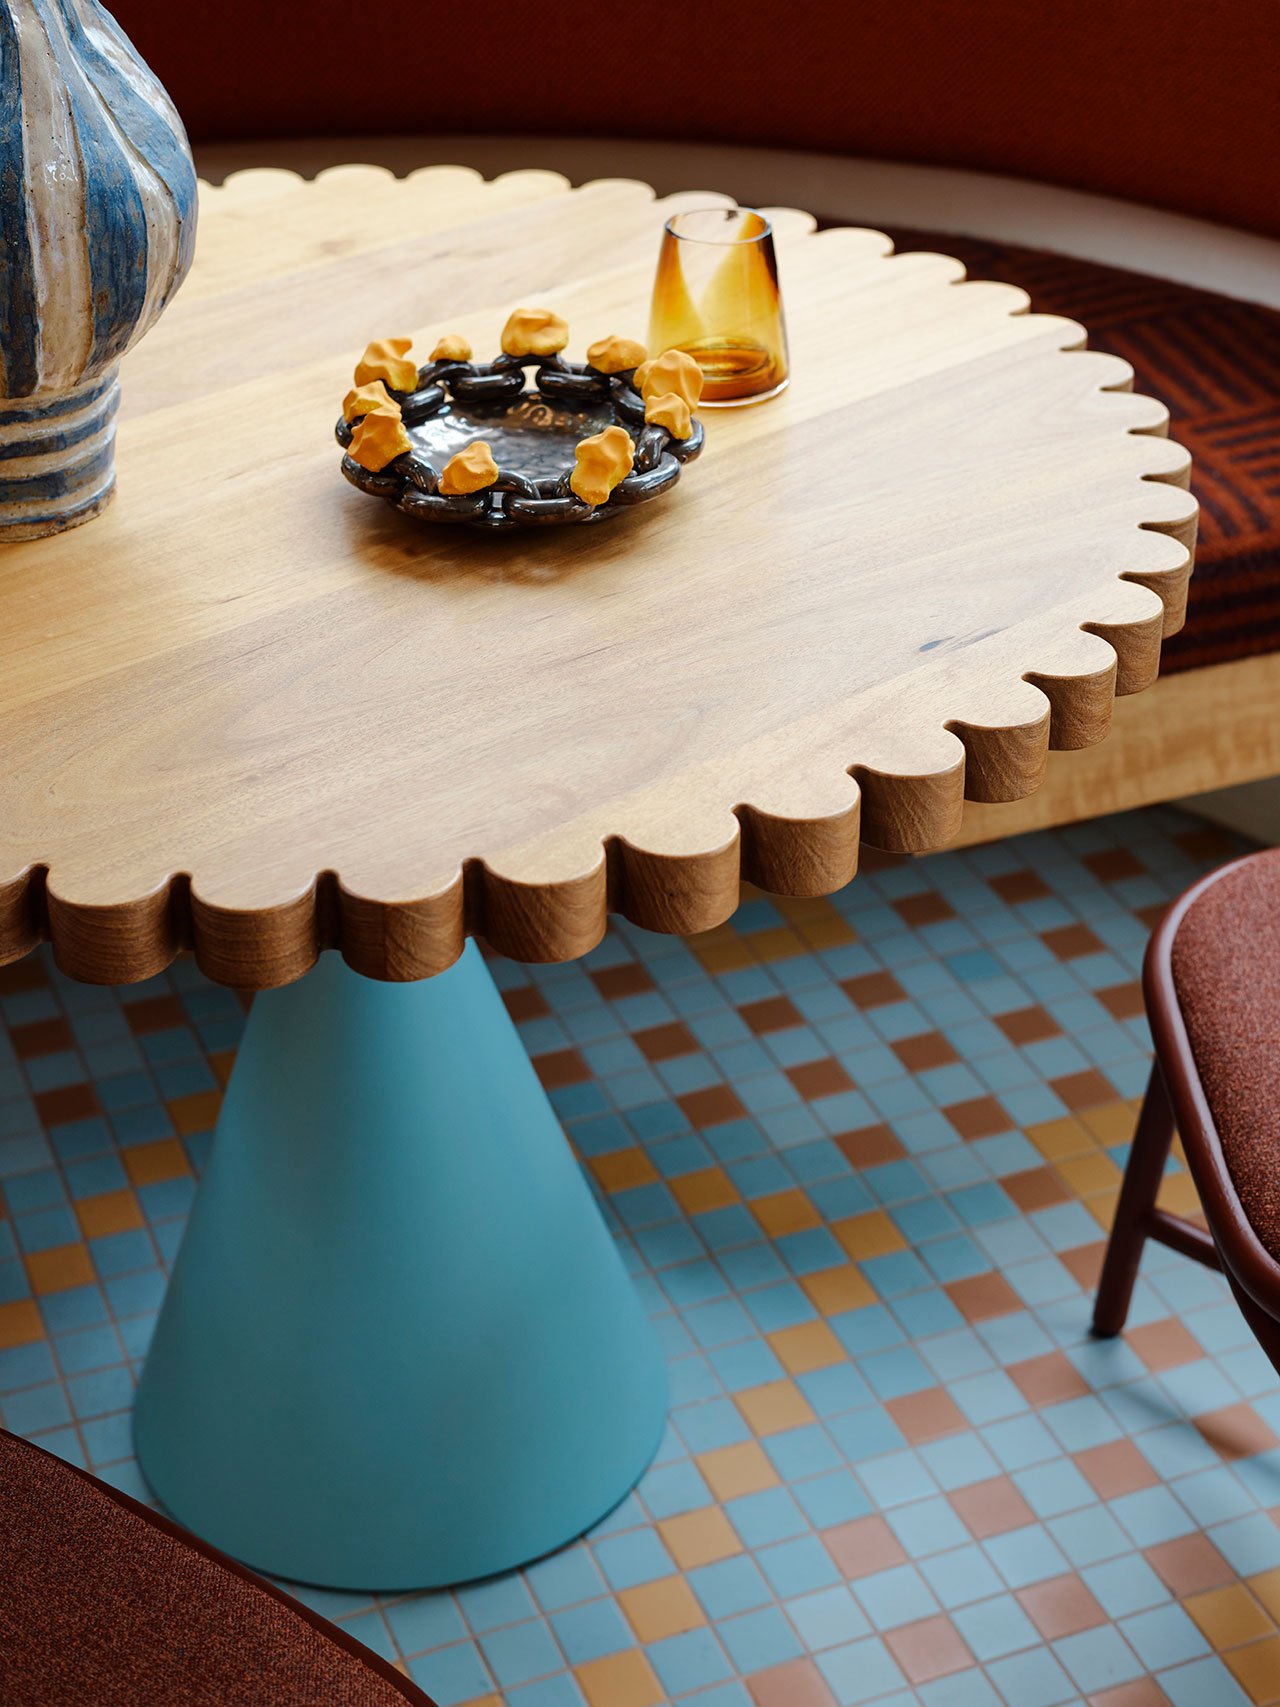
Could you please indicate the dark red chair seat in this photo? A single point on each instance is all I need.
(1215, 362)
(1211, 981)
(1226, 972)
(105, 1604)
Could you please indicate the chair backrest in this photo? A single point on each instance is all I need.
(1211, 979)
(1171, 102)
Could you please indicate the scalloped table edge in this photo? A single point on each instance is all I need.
(560, 919)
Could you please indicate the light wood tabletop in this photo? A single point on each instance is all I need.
(253, 711)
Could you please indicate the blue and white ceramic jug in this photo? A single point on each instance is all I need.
(97, 228)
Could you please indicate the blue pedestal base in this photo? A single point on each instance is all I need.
(399, 1348)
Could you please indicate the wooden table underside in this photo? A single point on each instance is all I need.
(253, 711)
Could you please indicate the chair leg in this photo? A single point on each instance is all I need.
(1147, 1157)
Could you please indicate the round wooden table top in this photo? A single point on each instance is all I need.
(253, 711)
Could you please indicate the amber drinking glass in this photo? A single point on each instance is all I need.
(716, 297)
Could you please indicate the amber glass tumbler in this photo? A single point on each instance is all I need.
(716, 296)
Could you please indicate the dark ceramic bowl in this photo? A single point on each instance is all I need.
(533, 435)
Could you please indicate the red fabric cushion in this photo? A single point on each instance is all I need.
(1226, 968)
(1216, 363)
(102, 1602)
(1161, 101)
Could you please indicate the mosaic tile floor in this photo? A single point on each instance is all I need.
(860, 1154)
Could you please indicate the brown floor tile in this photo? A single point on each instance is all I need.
(798, 1683)
(22, 975)
(1037, 1188)
(1072, 942)
(615, 982)
(1063, 1606)
(991, 1508)
(712, 1106)
(1114, 1469)
(929, 1648)
(873, 990)
(1085, 1263)
(927, 909)
(1028, 1025)
(525, 1002)
(1016, 887)
(982, 1296)
(1113, 865)
(41, 1037)
(561, 1067)
(155, 1013)
(879, 859)
(1084, 1090)
(979, 1117)
(1142, 1692)
(1164, 1345)
(68, 1102)
(1189, 1565)
(774, 1013)
(869, 1146)
(929, 1049)
(665, 1042)
(927, 1415)
(826, 1078)
(1205, 846)
(1122, 1001)
(864, 1546)
(1236, 1431)
(1048, 1380)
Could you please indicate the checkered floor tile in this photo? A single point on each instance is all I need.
(860, 1154)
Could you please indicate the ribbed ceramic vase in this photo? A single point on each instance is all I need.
(97, 229)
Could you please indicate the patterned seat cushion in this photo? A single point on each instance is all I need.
(1216, 362)
(102, 1602)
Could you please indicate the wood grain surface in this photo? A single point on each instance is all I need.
(253, 711)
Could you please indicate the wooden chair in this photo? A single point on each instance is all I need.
(1212, 986)
(106, 1604)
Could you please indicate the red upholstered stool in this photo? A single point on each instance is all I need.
(1212, 985)
(104, 1604)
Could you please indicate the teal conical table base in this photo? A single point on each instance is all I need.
(399, 1348)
